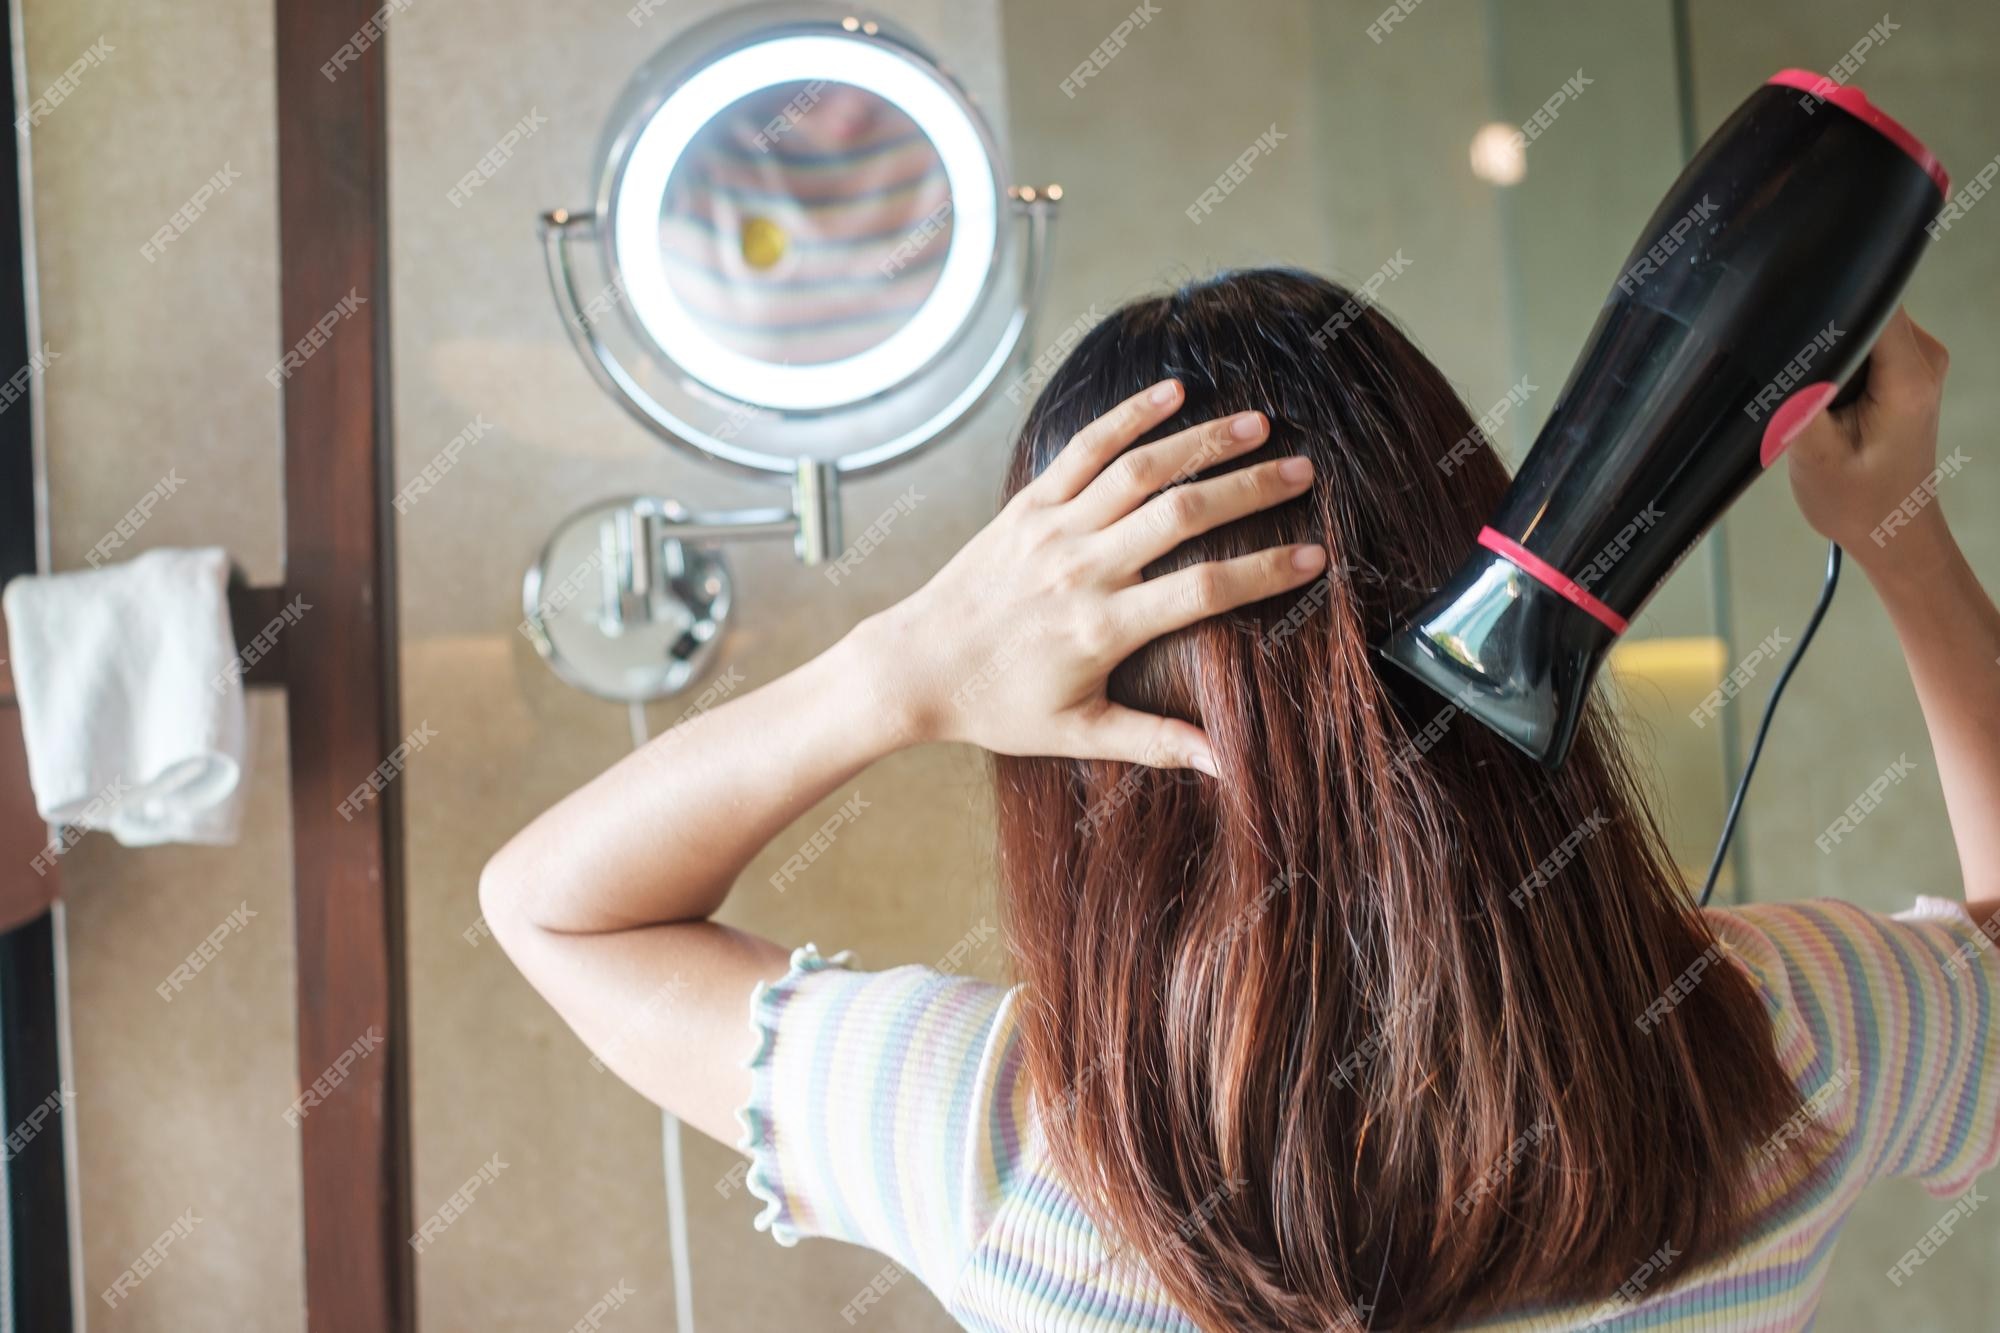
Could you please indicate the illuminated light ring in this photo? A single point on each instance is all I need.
(951, 302)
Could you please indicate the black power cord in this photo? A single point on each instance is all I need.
(1770, 709)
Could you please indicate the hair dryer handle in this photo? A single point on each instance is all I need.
(1857, 384)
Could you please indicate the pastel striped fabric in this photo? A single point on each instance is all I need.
(806, 224)
(889, 1109)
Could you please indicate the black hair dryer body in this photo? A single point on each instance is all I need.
(1754, 292)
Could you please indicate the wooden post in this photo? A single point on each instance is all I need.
(340, 665)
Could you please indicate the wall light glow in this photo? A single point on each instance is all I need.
(1499, 157)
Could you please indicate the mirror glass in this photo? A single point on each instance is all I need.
(806, 223)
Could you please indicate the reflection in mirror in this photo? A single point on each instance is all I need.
(788, 225)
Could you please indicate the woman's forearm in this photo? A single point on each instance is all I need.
(1950, 633)
(663, 834)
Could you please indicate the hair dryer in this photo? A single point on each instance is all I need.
(1755, 290)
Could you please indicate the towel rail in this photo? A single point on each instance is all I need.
(256, 617)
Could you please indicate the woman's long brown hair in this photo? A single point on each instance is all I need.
(1358, 1035)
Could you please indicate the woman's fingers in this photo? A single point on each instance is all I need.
(1906, 370)
(1173, 601)
(1167, 520)
(1935, 354)
(1104, 439)
(1133, 737)
(1136, 475)
(1831, 435)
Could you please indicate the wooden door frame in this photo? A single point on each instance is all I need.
(341, 667)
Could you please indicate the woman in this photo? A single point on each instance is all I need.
(1319, 1024)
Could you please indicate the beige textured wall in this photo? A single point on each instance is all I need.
(1347, 187)
(1850, 712)
(159, 367)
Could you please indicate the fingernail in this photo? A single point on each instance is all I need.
(1163, 392)
(1308, 557)
(1246, 426)
(1205, 762)
(1296, 469)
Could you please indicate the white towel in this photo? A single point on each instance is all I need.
(132, 718)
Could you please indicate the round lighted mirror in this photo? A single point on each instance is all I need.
(802, 227)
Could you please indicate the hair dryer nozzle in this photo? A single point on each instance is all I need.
(1510, 651)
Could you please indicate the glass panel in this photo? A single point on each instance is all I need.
(153, 195)
(1357, 175)
(1376, 154)
(581, 1207)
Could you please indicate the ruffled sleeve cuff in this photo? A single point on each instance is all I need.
(765, 1178)
(1937, 909)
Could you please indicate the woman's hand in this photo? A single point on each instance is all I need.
(1852, 468)
(1010, 645)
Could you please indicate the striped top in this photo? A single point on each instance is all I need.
(806, 223)
(890, 1109)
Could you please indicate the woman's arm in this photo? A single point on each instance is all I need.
(1851, 472)
(602, 901)
(1950, 632)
